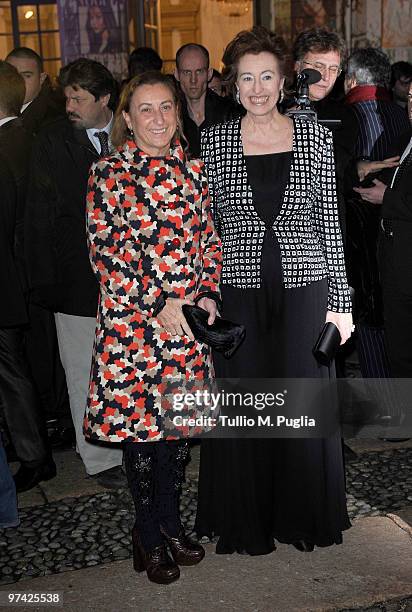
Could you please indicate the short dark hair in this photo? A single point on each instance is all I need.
(192, 46)
(91, 76)
(26, 53)
(318, 40)
(369, 66)
(120, 132)
(143, 59)
(399, 70)
(12, 90)
(254, 41)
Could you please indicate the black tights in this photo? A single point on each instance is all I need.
(155, 472)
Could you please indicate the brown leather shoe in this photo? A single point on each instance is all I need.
(160, 568)
(184, 550)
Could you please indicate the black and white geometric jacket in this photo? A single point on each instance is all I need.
(307, 226)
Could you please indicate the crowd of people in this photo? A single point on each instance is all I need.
(198, 188)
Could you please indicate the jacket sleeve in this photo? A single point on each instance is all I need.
(211, 252)
(327, 227)
(118, 271)
(207, 156)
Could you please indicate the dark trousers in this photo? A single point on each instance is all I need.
(45, 365)
(155, 472)
(397, 304)
(19, 401)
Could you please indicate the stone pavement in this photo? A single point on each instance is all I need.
(374, 564)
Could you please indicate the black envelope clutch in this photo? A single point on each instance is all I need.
(327, 344)
(222, 336)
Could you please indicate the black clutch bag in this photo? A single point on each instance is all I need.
(327, 344)
(222, 336)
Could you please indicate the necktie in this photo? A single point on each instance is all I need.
(104, 143)
(407, 163)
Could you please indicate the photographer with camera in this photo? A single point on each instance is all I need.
(323, 51)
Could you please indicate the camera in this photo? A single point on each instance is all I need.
(304, 109)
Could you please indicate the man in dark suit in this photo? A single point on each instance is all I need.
(395, 197)
(60, 274)
(41, 108)
(19, 402)
(41, 105)
(201, 107)
(381, 122)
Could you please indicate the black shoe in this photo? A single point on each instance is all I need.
(113, 478)
(304, 546)
(184, 550)
(160, 568)
(26, 478)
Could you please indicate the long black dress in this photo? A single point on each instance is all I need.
(253, 491)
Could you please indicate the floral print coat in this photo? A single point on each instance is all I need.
(150, 236)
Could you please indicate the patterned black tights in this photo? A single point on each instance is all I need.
(155, 472)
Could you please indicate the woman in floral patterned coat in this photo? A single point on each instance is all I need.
(153, 248)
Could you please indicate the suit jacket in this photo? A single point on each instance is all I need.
(57, 257)
(15, 146)
(307, 226)
(12, 303)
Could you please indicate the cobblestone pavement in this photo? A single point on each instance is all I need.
(402, 605)
(82, 532)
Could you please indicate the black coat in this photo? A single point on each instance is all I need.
(397, 206)
(57, 256)
(345, 137)
(15, 146)
(217, 110)
(12, 303)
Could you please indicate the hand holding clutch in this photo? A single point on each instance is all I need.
(327, 344)
(222, 336)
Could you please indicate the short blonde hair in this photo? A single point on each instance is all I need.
(121, 132)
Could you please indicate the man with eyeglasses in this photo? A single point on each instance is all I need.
(325, 51)
(201, 107)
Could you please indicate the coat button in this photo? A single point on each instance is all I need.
(176, 242)
(172, 205)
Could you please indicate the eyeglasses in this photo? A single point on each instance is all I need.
(322, 68)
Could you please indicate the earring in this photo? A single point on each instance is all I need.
(281, 97)
(237, 95)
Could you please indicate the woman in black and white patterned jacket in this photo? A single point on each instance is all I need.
(273, 194)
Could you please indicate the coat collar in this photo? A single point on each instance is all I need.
(132, 152)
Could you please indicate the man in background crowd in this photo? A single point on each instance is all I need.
(41, 106)
(216, 84)
(395, 197)
(19, 401)
(325, 51)
(401, 77)
(143, 59)
(60, 274)
(380, 123)
(201, 107)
